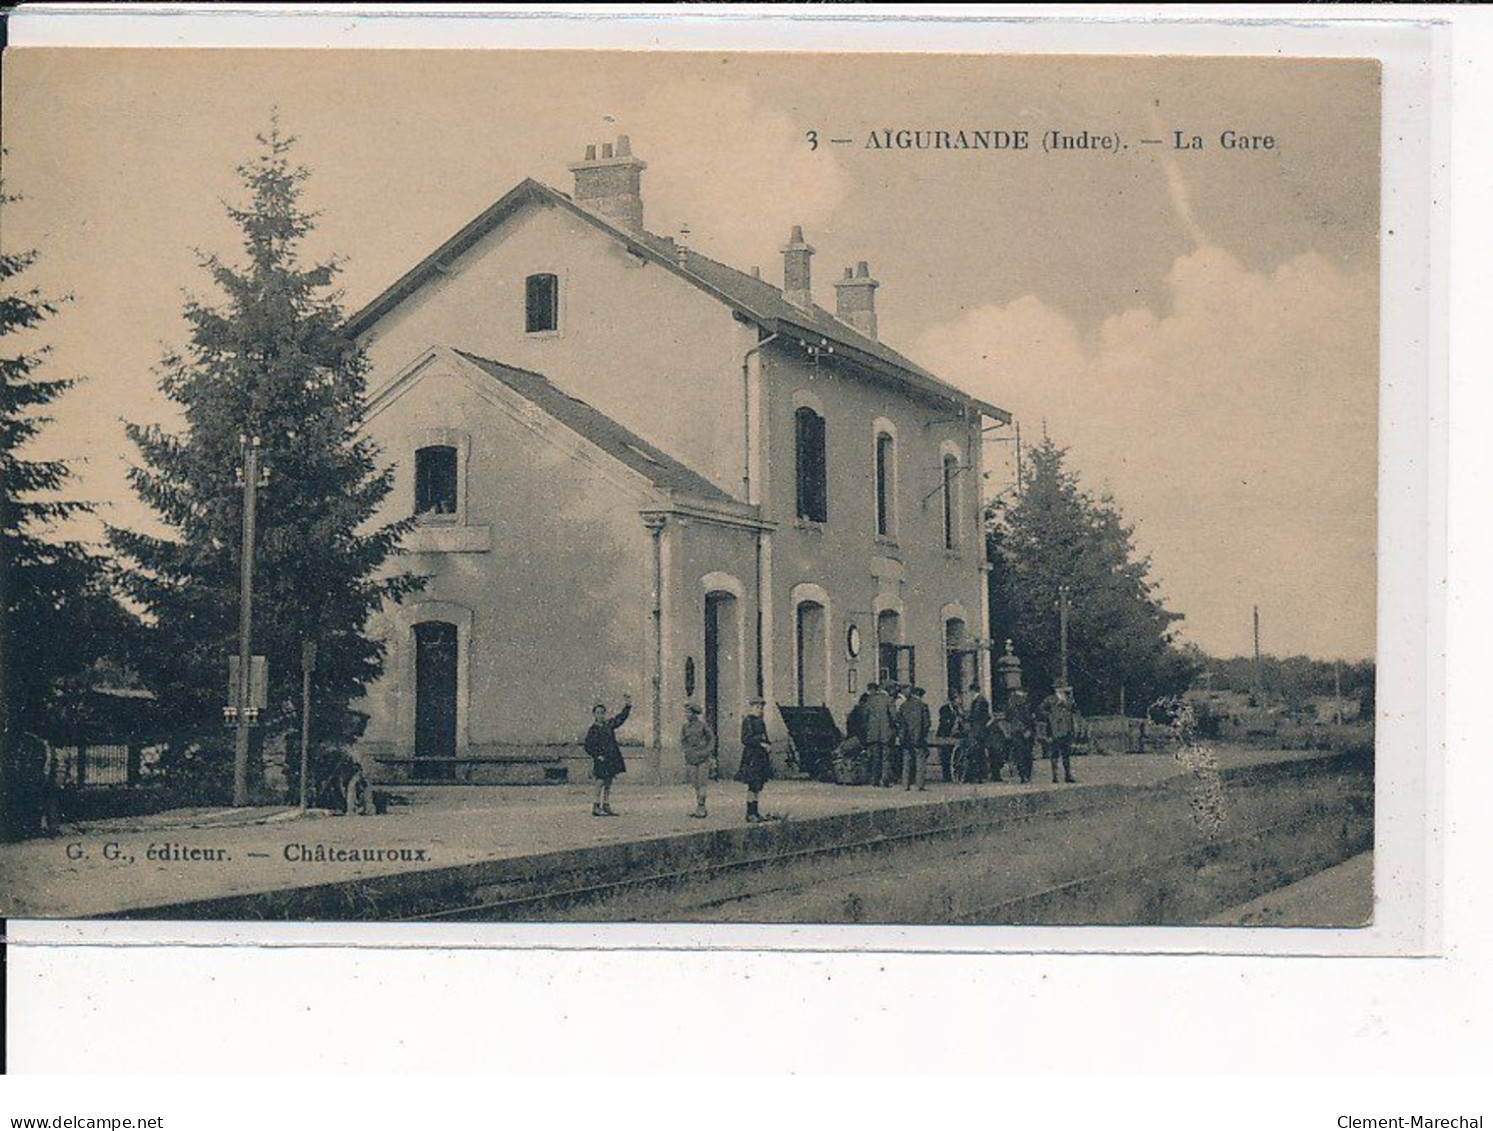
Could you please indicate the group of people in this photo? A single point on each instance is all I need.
(887, 740)
(700, 756)
(981, 740)
(886, 737)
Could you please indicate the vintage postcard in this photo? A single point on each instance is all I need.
(728, 488)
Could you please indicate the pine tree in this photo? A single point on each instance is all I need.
(56, 611)
(1119, 633)
(270, 361)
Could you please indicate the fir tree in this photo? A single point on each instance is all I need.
(1119, 631)
(58, 616)
(271, 361)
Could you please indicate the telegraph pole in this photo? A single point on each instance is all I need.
(1020, 478)
(1063, 593)
(308, 665)
(250, 474)
(1259, 671)
(11, 818)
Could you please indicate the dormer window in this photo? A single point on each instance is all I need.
(542, 304)
(435, 483)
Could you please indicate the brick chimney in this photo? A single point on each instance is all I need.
(612, 184)
(855, 299)
(796, 256)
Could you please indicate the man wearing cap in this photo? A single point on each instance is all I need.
(698, 741)
(916, 720)
(756, 765)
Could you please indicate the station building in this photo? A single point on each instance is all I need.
(636, 469)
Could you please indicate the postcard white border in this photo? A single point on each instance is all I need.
(1414, 434)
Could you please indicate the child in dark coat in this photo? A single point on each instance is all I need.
(606, 755)
(756, 765)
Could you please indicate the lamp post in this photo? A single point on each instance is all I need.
(251, 476)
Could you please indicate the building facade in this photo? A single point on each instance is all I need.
(638, 470)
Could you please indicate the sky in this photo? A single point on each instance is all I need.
(1198, 327)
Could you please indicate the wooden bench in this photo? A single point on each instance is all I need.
(551, 769)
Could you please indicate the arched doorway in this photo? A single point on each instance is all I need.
(888, 647)
(435, 699)
(809, 659)
(723, 690)
(955, 651)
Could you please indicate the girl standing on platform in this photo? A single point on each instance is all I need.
(756, 765)
(606, 755)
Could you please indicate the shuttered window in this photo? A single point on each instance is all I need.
(541, 303)
(812, 472)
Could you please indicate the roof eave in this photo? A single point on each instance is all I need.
(929, 386)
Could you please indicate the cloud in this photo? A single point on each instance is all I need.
(1237, 427)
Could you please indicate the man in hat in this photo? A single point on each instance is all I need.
(756, 765)
(879, 728)
(950, 725)
(977, 726)
(698, 741)
(916, 720)
(1019, 732)
(1061, 716)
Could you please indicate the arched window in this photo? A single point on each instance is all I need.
(950, 502)
(541, 304)
(812, 470)
(886, 485)
(435, 482)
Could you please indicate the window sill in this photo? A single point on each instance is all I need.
(808, 525)
(885, 543)
(440, 538)
(541, 333)
(953, 555)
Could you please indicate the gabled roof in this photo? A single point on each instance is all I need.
(755, 299)
(619, 442)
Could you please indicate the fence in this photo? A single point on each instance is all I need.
(1118, 734)
(87, 767)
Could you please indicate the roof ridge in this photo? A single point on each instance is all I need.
(768, 306)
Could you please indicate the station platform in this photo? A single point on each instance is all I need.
(184, 858)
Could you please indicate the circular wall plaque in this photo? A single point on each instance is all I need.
(853, 641)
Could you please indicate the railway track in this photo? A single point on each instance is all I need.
(1287, 830)
(527, 906)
